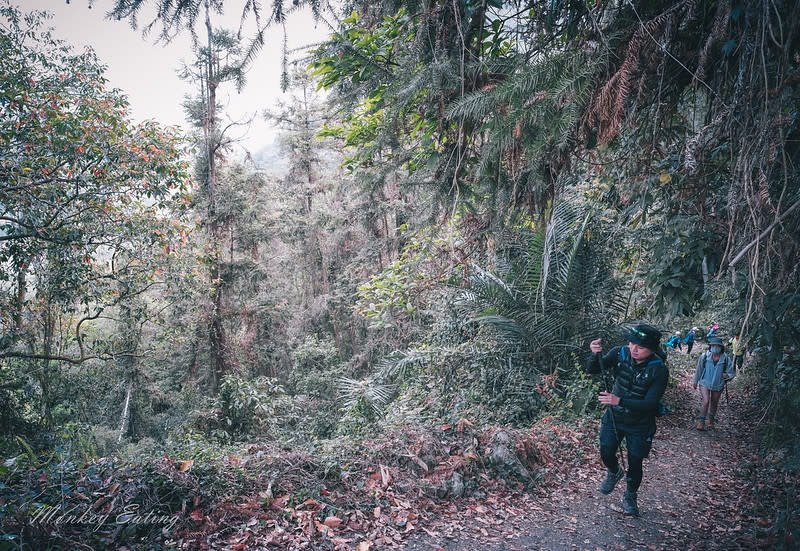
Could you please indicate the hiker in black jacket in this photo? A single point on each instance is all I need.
(640, 379)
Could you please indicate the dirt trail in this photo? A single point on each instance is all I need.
(696, 494)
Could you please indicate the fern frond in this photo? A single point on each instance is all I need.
(368, 395)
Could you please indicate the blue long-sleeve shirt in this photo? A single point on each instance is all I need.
(709, 373)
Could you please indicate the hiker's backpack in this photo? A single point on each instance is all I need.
(663, 409)
(673, 341)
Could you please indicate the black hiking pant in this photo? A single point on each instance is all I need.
(611, 435)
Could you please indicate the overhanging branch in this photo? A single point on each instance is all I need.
(75, 361)
(763, 234)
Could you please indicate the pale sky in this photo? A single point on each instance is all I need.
(147, 72)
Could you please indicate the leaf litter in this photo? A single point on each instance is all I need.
(459, 488)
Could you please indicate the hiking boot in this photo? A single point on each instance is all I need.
(701, 425)
(629, 506)
(710, 424)
(611, 481)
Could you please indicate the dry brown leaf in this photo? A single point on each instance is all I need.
(279, 502)
(321, 528)
(464, 423)
(185, 465)
(307, 523)
(332, 521)
(311, 502)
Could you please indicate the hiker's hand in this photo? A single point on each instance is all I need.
(609, 399)
(596, 346)
(694, 386)
(726, 376)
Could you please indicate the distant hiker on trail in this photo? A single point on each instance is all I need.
(674, 341)
(737, 349)
(712, 331)
(640, 379)
(689, 339)
(714, 370)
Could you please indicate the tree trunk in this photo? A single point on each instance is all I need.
(704, 266)
(125, 417)
(130, 329)
(22, 289)
(337, 335)
(45, 377)
(216, 333)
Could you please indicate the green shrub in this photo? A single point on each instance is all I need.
(316, 366)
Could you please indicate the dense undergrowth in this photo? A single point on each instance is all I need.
(207, 496)
(338, 493)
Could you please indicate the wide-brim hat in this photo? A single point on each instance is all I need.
(715, 340)
(644, 335)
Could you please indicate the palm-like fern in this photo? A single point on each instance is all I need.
(543, 305)
(367, 397)
(548, 297)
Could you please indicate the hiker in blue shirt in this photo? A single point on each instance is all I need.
(640, 379)
(689, 339)
(674, 341)
(714, 369)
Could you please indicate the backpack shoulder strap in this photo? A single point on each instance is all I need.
(703, 358)
(653, 365)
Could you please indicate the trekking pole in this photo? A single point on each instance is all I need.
(607, 384)
(727, 397)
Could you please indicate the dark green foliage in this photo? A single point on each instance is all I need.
(245, 404)
(785, 417)
(17, 413)
(316, 368)
(506, 345)
(621, 84)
